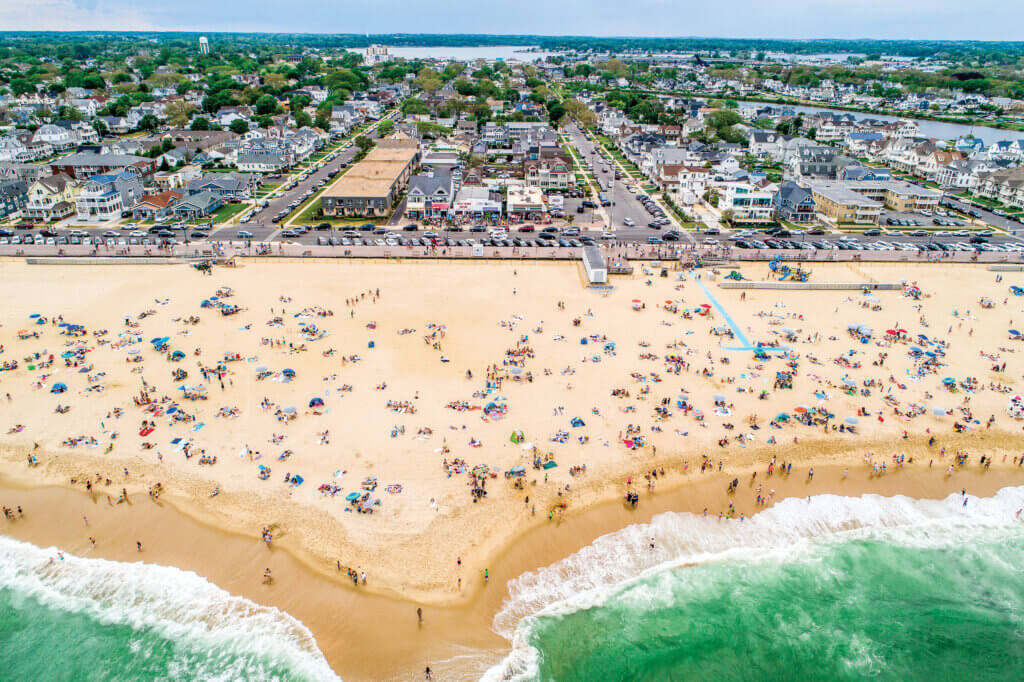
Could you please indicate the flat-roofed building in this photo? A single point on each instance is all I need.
(370, 187)
(844, 205)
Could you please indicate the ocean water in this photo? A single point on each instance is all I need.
(90, 619)
(834, 588)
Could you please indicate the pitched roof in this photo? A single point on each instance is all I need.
(161, 199)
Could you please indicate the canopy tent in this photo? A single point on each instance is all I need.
(316, 402)
(58, 388)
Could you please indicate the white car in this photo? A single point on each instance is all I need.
(607, 234)
(628, 222)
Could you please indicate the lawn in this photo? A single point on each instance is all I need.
(227, 212)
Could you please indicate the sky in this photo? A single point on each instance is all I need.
(896, 19)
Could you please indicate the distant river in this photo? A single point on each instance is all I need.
(935, 129)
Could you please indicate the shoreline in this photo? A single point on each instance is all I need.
(391, 645)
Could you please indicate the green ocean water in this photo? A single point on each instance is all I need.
(67, 618)
(41, 643)
(849, 610)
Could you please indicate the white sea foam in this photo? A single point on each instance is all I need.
(233, 635)
(795, 526)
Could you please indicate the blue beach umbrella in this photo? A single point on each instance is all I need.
(852, 420)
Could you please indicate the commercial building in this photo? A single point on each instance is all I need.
(525, 203)
(370, 187)
(844, 205)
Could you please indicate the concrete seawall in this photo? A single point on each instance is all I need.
(814, 286)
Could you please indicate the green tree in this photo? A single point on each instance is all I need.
(200, 123)
(238, 126)
(322, 122)
(364, 143)
(266, 105)
(303, 120)
(148, 122)
(386, 127)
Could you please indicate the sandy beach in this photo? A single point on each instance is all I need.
(422, 388)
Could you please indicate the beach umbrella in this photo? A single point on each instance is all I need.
(516, 370)
(939, 411)
(164, 339)
(1015, 332)
(290, 373)
(787, 330)
(133, 351)
(637, 300)
(949, 380)
(67, 354)
(891, 331)
(782, 417)
(922, 337)
(849, 382)
(915, 349)
(719, 397)
(33, 316)
(261, 368)
(178, 354)
(929, 354)
(902, 331)
(852, 420)
(800, 410)
(289, 410)
(316, 402)
(58, 388)
(352, 497)
(705, 306)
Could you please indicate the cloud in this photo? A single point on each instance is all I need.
(70, 15)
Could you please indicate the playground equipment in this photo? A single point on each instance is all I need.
(788, 274)
(735, 275)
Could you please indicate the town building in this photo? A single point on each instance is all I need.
(371, 186)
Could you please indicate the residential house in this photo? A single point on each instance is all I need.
(86, 164)
(196, 206)
(57, 137)
(116, 125)
(52, 197)
(429, 194)
(13, 197)
(156, 206)
(794, 204)
(259, 161)
(178, 177)
(228, 186)
(553, 173)
(747, 204)
(1006, 186)
(964, 173)
(765, 143)
(106, 196)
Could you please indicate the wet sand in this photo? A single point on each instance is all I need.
(367, 636)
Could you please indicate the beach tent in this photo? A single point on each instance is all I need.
(58, 388)
(517, 437)
(551, 464)
(178, 355)
(782, 417)
(290, 373)
(519, 470)
(316, 402)
(577, 422)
